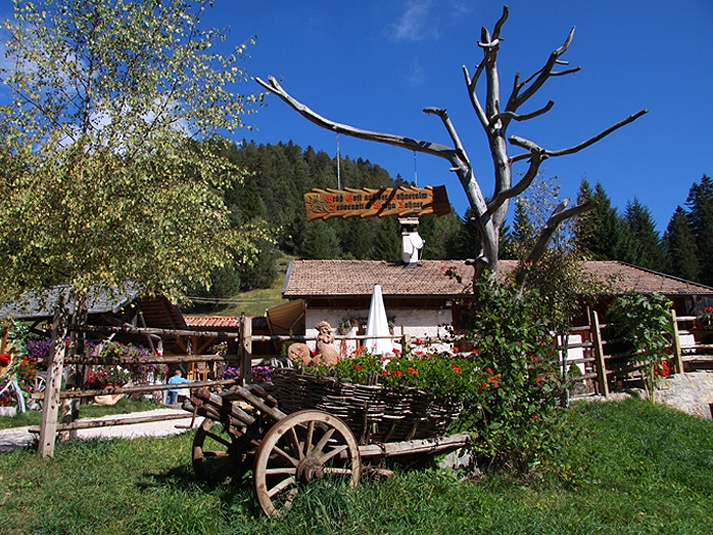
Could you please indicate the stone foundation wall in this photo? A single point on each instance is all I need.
(688, 392)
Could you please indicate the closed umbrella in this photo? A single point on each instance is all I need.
(377, 325)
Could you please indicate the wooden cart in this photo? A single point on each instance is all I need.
(246, 427)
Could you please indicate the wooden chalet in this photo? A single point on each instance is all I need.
(422, 298)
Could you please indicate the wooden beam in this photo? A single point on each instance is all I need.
(599, 355)
(53, 384)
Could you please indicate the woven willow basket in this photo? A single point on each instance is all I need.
(374, 413)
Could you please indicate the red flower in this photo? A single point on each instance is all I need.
(419, 342)
(5, 359)
(397, 373)
(475, 352)
(385, 373)
(455, 368)
(412, 371)
(489, 370)
(397, 351)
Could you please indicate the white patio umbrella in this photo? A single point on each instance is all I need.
(377, 325)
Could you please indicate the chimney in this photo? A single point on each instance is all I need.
(411, 242)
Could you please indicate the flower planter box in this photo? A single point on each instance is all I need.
(374, 413)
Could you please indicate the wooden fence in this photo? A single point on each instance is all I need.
(594, 354)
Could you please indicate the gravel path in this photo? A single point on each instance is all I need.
(19, 437)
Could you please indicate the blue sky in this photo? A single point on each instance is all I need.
(377, 64)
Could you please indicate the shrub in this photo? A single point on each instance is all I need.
(643, 322)
(514, 417)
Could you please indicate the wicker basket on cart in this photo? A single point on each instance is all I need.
(374, 413)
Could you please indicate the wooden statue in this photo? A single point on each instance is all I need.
(326, 353)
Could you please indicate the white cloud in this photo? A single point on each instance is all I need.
(416, 23)
(416, 75)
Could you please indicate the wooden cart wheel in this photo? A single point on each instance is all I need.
(218, 456)
(303, 446)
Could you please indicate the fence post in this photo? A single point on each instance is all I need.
(677, 353)
(246, 348)
(599, 355)
(405, 341)
(53, 382)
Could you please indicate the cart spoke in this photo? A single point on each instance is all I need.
(296, 442)
(323, 442)
(218, 438)
(216, 454)
(336, 451)
(286, 456)
(278, 471)
(308, 440)
(282, 485)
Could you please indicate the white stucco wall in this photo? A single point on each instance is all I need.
(419, 323)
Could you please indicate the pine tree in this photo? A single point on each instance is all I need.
(600, 233)
(681, 247)
(647, 250)
(387, 240)
(464, 244)
(321, 242)
(438, 232)
(700, 219)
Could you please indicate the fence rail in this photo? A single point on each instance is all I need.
(689, 349)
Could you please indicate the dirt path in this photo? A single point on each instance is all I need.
(19, 437)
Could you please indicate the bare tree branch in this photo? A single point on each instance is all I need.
(450, 128)
(530, 146)
(470, 83)
(536, 158)
(427, 147)
(516, 100)
(517, 117)
(501, 22)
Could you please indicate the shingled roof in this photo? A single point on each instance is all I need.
(311, 278)
(344, 278)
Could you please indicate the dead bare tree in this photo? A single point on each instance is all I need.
(489, 214)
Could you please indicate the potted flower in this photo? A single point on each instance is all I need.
(101, 377)
(704, 321)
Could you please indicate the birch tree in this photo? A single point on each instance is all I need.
(495, 114)
(111, 168)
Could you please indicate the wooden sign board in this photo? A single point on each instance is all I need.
(382, 202)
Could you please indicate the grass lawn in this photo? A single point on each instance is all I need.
(627, 467)
(253, 302)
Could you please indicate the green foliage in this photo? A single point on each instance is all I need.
(643, 321)
(104, 182)
(443, 374)
(517, 423)
(321, 242)
(647, 249)
(600, 232)
(700, 221)
(681, 249)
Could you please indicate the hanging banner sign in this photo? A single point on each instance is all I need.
(382, 202)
